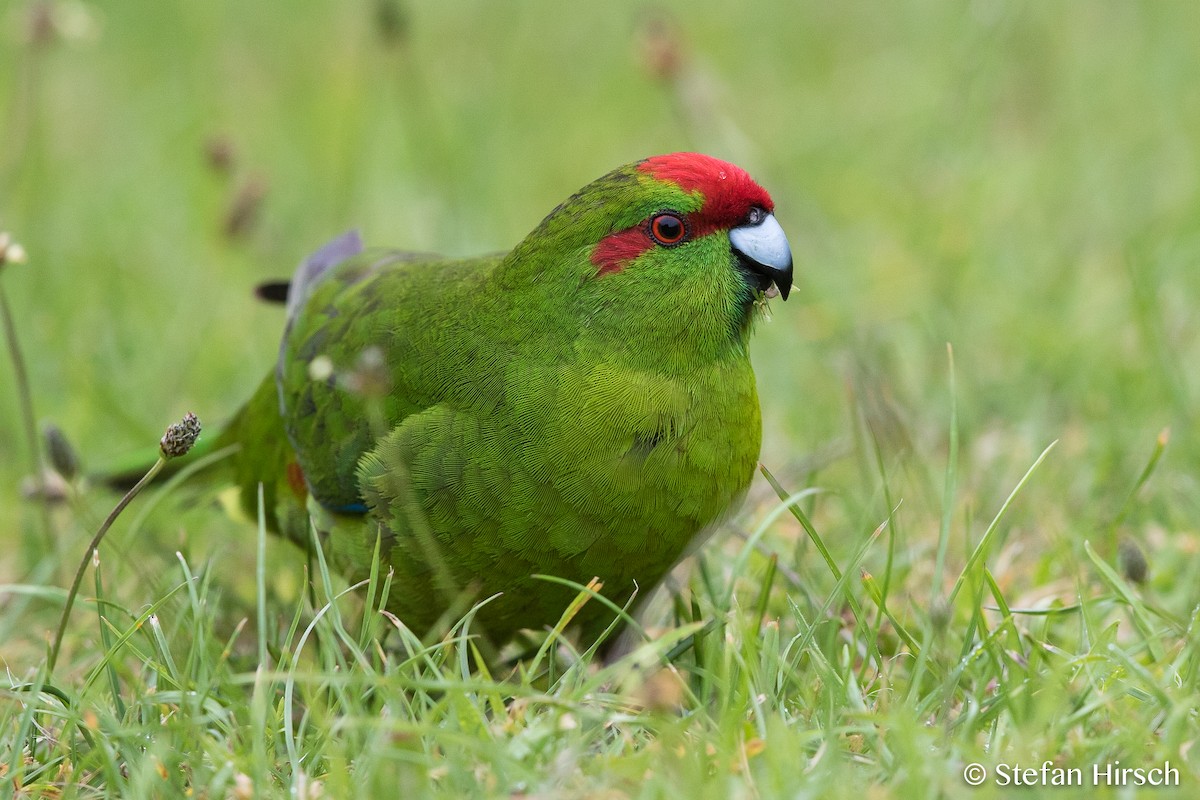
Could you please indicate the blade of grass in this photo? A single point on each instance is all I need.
(981, 550)
(950, 489)
(114, 683)
(260, 579)
(1137, 610)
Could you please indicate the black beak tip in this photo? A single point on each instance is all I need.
(781, 277)
(766, 275)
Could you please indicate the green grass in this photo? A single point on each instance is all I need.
(1015, 181)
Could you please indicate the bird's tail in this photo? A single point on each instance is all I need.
(250, 449)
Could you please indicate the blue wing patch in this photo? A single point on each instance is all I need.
(348, 508)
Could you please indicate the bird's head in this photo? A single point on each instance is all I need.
(682, 243)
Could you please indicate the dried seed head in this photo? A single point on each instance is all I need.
(1132, 561)
(661, 49)
(51, 489)
(244, 209)
(39, 24)
(220, 154)
(62, 455)
(10, 252)
(49, 22)
(391, 22)
(940, 614)
(180, 437)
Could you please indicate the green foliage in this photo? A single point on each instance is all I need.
(1015, 180)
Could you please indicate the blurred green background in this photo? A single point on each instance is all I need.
(1015, 179)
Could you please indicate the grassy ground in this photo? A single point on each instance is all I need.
(1015, 181)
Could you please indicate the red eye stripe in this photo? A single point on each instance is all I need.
(618, 249)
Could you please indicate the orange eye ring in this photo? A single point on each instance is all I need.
(668, 229)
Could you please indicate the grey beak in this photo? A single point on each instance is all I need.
(764, 251)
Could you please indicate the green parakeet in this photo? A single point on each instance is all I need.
(582, 406)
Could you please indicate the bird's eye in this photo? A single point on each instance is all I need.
(667, 229)
(755, 216)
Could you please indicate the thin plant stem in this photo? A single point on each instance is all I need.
(25, 397)
(88, 555)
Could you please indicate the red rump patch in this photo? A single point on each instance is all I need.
(728, 191)
(296, 482)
